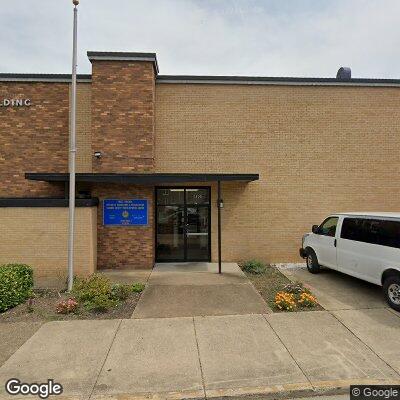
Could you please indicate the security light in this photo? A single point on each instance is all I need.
(97, 154)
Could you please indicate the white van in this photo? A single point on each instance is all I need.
(364, 245)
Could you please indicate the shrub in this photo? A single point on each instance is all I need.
(253, 267)
(100, 303)
(97, 294)
(307, 300)
(120, 292)
(86, 289)
(16, 284)
(67, 306)
(285, 301)
(137, 287)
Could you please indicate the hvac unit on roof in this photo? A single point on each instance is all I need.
(344, 74)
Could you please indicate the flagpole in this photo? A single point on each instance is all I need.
(72, 153)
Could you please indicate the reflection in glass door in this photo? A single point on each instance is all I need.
(197, 232)
(183, 224)
(170, 239)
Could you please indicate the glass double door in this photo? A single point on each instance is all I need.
(183, 224)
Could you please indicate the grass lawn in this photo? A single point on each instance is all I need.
(269, 283)
(43, 308)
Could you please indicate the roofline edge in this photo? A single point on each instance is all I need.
(237, 80)
(123, 56)
(210, 80)
(50, 78)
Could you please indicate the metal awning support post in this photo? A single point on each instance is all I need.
(219, 204)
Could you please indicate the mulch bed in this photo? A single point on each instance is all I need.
(271, 282)
(44, 309)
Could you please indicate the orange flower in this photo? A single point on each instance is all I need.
(285, 301)
(307, 300)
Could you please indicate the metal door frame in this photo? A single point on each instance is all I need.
(185, 206)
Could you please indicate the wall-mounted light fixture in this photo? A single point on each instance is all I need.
(220, 203)
(97, 154)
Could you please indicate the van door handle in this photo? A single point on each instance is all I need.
(335, 242)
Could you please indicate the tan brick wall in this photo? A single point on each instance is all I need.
(317, 149)
(38, 237)
(123, 96)
(124, 247)
(33, 139)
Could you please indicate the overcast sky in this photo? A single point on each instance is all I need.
(209, 37)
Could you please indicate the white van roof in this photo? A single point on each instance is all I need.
(372, 214)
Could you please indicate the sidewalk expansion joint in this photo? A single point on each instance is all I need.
(358, 308)
(396, 313)
(105, 359)
(198, 354)
(284, 345)
(148, 277)
(365, 344)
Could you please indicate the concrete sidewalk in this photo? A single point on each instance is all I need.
(288, 354)
(204, 353)
(196, 289)
(13, 335)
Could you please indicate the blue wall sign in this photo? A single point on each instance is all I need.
(125, 212)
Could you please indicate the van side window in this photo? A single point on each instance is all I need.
(373, 231)
(389, 233)
(352, 229)
(328, 227)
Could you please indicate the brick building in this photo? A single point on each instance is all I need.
(152, 148)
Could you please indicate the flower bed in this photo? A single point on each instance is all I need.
(95, 297)
(277, 290)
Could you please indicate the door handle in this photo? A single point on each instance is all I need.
(335, 243)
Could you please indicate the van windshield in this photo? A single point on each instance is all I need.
(328, 227)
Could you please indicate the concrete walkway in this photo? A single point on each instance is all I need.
(196, 289)
(291, 354)
(126, 276)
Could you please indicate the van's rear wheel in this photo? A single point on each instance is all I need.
(312, 262)
(391, 289)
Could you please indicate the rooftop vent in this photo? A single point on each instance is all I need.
(343, 74)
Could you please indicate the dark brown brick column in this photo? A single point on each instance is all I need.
(123, 100)
(124, 247)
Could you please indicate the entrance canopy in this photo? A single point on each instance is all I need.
(141, 179)
(152, 179)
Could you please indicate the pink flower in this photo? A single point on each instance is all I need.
(67, 306)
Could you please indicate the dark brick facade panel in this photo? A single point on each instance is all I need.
(34, 138)
(124, 247)
(123, 97)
